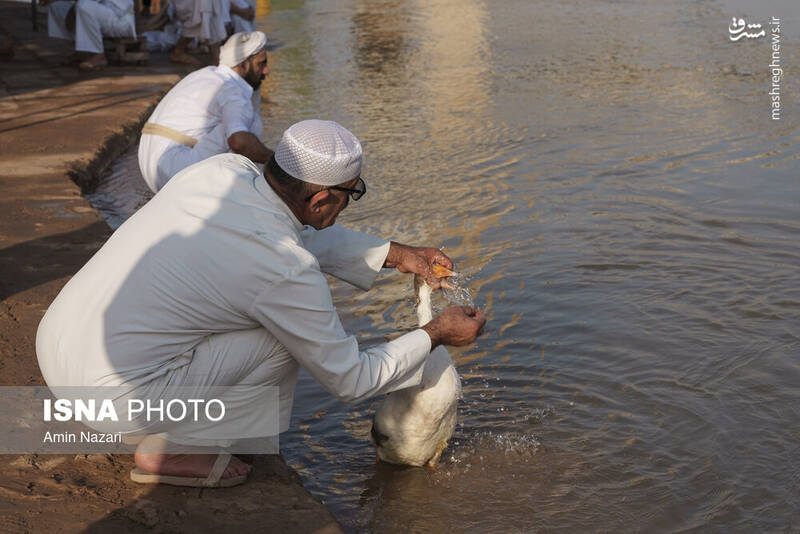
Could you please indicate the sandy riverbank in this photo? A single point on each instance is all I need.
(57, 124)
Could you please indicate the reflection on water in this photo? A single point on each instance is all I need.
(122, 190)
(607, 176)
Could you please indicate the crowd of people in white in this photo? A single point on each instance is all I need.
(87, 22)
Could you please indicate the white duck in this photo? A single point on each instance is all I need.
(412, 425)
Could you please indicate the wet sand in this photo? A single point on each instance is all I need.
(58, 125)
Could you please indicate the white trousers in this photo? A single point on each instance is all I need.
(93, 20)
(241, 358)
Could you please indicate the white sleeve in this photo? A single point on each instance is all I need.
(351, 256)
(299, 312)
(237, 111)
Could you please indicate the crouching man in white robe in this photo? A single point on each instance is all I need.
(218, 281)
(211, 111)
(87, 22)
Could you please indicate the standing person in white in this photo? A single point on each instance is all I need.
(87, 22)
(204, 20)
(243, 12)
(211, 111)
(218, 281)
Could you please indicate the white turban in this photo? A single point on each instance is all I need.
(241, 46)
(319, 152)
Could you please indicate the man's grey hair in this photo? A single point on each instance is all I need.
(290, 188)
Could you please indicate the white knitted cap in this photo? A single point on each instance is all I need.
(319, 152)
(241, 46)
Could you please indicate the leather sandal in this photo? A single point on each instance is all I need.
(92, 64)
(213, 480)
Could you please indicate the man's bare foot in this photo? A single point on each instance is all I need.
(182, 465)
(182, 57)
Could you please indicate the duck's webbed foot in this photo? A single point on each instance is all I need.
(433, 463)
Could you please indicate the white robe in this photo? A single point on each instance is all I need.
(204, 19)
(214, 282)
(93, 21)
(210, 105)
(239, 24)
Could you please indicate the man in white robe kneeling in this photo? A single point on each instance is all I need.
(211, 111)
(218, 282)
(87, 22)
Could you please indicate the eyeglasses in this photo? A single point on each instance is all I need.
(355, 193)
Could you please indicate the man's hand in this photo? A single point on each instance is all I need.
(418, 260)
(456, 326)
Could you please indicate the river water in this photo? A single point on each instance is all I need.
(608, 176)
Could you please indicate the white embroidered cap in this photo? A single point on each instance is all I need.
(241, 46)
(319, 152)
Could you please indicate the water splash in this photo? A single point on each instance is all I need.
(460, 295)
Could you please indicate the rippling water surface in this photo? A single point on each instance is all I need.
(608, 175)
